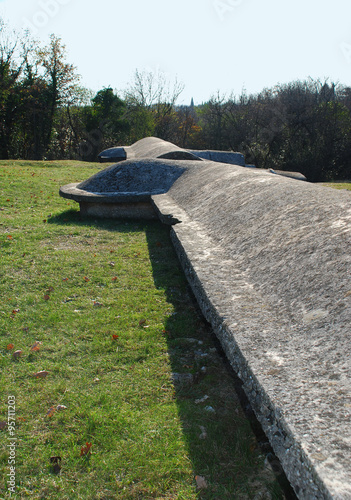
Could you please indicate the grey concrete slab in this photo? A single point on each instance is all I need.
(269, 260)
(230, 157)
(113, 155)
(144, 176)
(124, 189)
(149, 147)
(294, 175)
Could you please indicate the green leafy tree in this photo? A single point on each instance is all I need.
(13, 57)
(104, 124)
(61, 79)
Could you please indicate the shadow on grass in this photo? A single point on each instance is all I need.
(225, 442)
(228, 457)
(74, 218)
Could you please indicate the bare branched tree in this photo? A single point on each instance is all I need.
(151, 103)
(150, 89)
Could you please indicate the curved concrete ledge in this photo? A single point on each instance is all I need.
(153, 147)
(268, 259)
(73, 192)
(149, 147)
(286, 173)
(125, 189)
(229, 157)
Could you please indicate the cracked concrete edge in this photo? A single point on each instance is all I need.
(73, 192)
(299, 470)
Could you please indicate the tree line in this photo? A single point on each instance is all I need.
(302, 126)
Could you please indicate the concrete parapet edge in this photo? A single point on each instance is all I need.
(299, 470)
(239, 314)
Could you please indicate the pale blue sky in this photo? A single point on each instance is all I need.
(210, 45)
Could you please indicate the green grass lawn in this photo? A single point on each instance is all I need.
(111, 309)
(338, 185)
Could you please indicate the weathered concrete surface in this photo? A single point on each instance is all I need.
(113, 155)
(269, 261)
(149, 147)
(121, 210)
(124, 189)
(153, 147)
(229, 157)
(293, 175)
(146, 176)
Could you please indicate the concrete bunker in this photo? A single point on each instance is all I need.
(268, 259)
(125, 189)
(144, 169)
(149, 147)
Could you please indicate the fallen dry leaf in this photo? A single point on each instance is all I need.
(36, 346)
(210, 409)
(201, 400)
(50, 411)
(46, 297)
(85, 450)
(115, 337)
(41, 374)
(86, 279)
(142, 322)
(61, 407)
(3, 425)
(97, 304)
(203, 434)
(56, 467)
(17, 354)
(14, 312)
(9, 347)
(50, 289)
(201, 483)
(114, 278)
